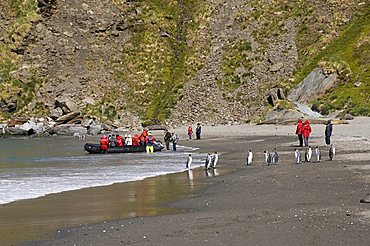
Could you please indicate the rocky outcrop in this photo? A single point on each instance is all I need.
(48, 127)
(279, 114)
(315, 85)
(73, 47)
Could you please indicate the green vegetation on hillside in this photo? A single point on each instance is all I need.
(159, 59)
(349, 56)
(22, 14)
(236, 65)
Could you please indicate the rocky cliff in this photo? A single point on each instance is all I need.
(177, 61)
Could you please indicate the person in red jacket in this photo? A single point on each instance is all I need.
(104, 143)
(144, 133)
(299, 132)
(119, 140)
(306, 132)
(190, 131)
(136, 140)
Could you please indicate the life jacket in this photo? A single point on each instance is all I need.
(150, 140)
(190, 130)
(144, 133)
(104, 144)
(299, 127)
(119, 141)
(142, 139)
(135, 140)
(306, 130)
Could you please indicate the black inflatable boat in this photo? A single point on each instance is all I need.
(95, 149)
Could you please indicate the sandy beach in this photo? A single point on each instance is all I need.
(286, 204)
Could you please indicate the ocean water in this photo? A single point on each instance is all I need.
(31, 168)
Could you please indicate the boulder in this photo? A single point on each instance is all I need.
(55, 113)
(347, 117)
(67, 130)
(87, 122)
(106, 127)
(16, 130)
(365, 199)
(17, 121)
(2, 128)
(94, 129)
(156, 127)
(66, 104)
(68, 117)
(283, 114)
(32, 128)
(314, 86)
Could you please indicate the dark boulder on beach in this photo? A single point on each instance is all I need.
(365, 199)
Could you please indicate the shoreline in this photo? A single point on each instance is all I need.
(215, 204)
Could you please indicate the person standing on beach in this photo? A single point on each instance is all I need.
(328, 132)
(190, 131)
(198, 131)
(175, 140)
(306, 132)
(150, 143)
(299, 132)
(167, 138)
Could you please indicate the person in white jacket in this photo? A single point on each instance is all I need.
(128, 140)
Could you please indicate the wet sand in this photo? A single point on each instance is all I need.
(315, 203)
(39, 219)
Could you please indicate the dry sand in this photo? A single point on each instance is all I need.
(286, 204)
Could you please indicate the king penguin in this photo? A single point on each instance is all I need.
(267, 158)
(274, 157)
(188, 162)
(318, 154)
(208, 161)
(297, 156)
(308, 154)
(249, 158)
(331, 152)
(214, 160)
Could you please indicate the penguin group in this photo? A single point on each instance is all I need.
(211, 161)
(272, 158)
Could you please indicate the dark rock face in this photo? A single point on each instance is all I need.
(315, 85)
(274, 95)
(8, 106)
(73, 46)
